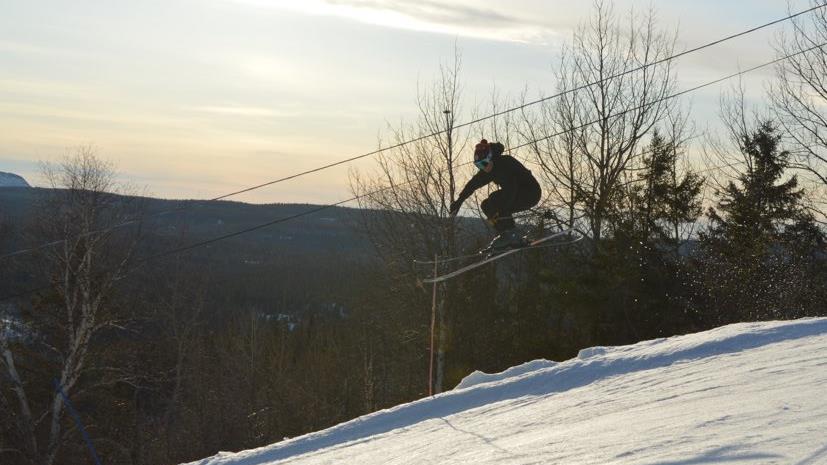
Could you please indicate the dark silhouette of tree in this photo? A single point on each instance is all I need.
(761, 240)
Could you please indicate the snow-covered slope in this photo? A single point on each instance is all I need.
(12, 180)
(746, 393)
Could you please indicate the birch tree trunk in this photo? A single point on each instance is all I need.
(78, 214)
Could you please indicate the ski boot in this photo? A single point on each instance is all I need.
(506, 241)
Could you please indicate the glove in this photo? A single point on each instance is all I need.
(492, 220)
(455, 207)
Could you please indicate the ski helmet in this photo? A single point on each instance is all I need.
(482, 154)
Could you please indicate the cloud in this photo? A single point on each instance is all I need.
(435, 16)
(431, 11)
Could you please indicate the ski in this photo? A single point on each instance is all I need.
(446, 259)
(537, 243)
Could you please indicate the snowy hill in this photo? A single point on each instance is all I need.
(12, 180)
(747, 393)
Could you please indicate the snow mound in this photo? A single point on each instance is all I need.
(478, 377)
(12, 180)
(592, 352)
(748, 393)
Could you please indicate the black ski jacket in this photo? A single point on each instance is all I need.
(508, 173)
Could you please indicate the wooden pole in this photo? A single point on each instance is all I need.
(433, 326)
(447, 114)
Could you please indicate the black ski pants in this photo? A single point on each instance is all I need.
(501, 204)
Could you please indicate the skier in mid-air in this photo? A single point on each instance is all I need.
(518, 191)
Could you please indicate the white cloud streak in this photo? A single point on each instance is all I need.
(458, 18)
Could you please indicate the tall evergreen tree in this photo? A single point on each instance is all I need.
(661, 201)
(640, 263)
(667, 200)
(761, 239)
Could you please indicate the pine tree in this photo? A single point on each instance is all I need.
(760, 239)
(667, 200)
(641, 264)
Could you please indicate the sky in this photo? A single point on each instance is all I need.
(198, 98)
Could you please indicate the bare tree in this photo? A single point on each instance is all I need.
(725, 154)
(418, 179)
(416, 182)
(180, 310)
(799, 93)
(83, 270)
(562, 164)
(590, 138)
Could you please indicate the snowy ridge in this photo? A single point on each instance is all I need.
(747, 392)
(12, 180)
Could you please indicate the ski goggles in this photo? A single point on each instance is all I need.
(482, 163)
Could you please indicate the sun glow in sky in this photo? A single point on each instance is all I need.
(197, 98)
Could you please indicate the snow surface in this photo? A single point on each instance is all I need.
(479, 377)
(753, 393)
(12, 180)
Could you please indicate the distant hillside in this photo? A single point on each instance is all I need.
(305, 256)
(331, 230)
(288, 268)
(12, 180)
